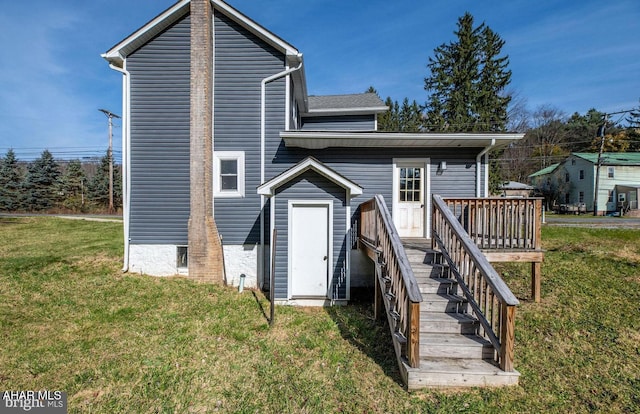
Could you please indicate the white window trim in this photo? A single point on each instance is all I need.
(228, 155)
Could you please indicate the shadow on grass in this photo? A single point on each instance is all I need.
(372, 337)
(260, 306)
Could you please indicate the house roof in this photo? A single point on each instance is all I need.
(545, 171)
(121, 50)
(514, 185)
(611, 158)
(340, 104)
(355, 139)
(309, 163)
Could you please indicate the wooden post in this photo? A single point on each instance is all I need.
(413, 341)
(507, 337)
(378, 304)
(536, 270)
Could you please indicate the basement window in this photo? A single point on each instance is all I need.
(228, 171)
(182, 259)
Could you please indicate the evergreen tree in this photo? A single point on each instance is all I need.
(633, 131)
(98, 187)
(10, 182)
(72, 186)
(390, 120)
(40, 186)
(467, 82)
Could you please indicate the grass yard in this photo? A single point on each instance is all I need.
(122, 343)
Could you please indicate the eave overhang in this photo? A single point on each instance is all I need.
(345, 111)
(328, 139)
(310, 163)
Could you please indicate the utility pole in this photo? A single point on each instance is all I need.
(601, 133)
(110, 115)
(597, 187)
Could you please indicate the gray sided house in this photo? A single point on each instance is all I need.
(284, 161)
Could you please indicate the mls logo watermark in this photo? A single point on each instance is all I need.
(38, 402)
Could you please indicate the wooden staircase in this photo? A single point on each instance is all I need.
(452, 354)
(451, 316)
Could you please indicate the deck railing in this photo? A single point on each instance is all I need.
(394, 277)
(500, 223)
(491, 300)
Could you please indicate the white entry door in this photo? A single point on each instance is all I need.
(309, 249)
(409, 199)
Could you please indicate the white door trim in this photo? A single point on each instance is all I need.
(426, 163)
(291, 205)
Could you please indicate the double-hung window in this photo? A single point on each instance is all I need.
(228, 174)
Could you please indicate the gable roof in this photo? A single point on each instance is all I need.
(611, 158)
(545, 171)
(131, 43)
(309, 163)
(341, 104)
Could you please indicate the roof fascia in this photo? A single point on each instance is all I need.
(345, 111)
(310, 163)
(165, 19)
(326, 139)
(156, 25)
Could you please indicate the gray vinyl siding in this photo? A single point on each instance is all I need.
(310, 186)
(339, 123)
(241, 62)
(160, 75)
(372, 168)
(458, 180)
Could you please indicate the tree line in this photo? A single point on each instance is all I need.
(467, 92)
(47, 185)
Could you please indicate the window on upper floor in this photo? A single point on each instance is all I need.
(582, 174)
(228, 174)
(567, 178)
(611, 172)
(573, 162)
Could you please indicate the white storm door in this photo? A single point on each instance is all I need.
(409, 199)
(309, 249)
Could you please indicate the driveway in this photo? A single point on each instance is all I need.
(586, 220)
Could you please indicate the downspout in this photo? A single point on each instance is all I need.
(263, 104)
(126, 159)
(486, 170)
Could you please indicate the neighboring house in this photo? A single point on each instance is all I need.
(515, 189)
(282, 160)
(573, 181)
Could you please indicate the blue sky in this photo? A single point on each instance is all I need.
(573, 55)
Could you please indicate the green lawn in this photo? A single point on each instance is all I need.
(122, 343)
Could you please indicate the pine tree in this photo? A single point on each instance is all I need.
(72, 186)
(41, 183)
(467, 82)
(10, 182)
(98, 187)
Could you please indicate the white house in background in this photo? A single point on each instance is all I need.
(573, 181)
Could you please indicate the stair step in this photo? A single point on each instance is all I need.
(429, 270)
(439, 372)
(437, 285)
(440, 345)
(438, 322)
(442, 302)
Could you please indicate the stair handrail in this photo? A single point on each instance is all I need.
(481, 284)
(378, 232)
